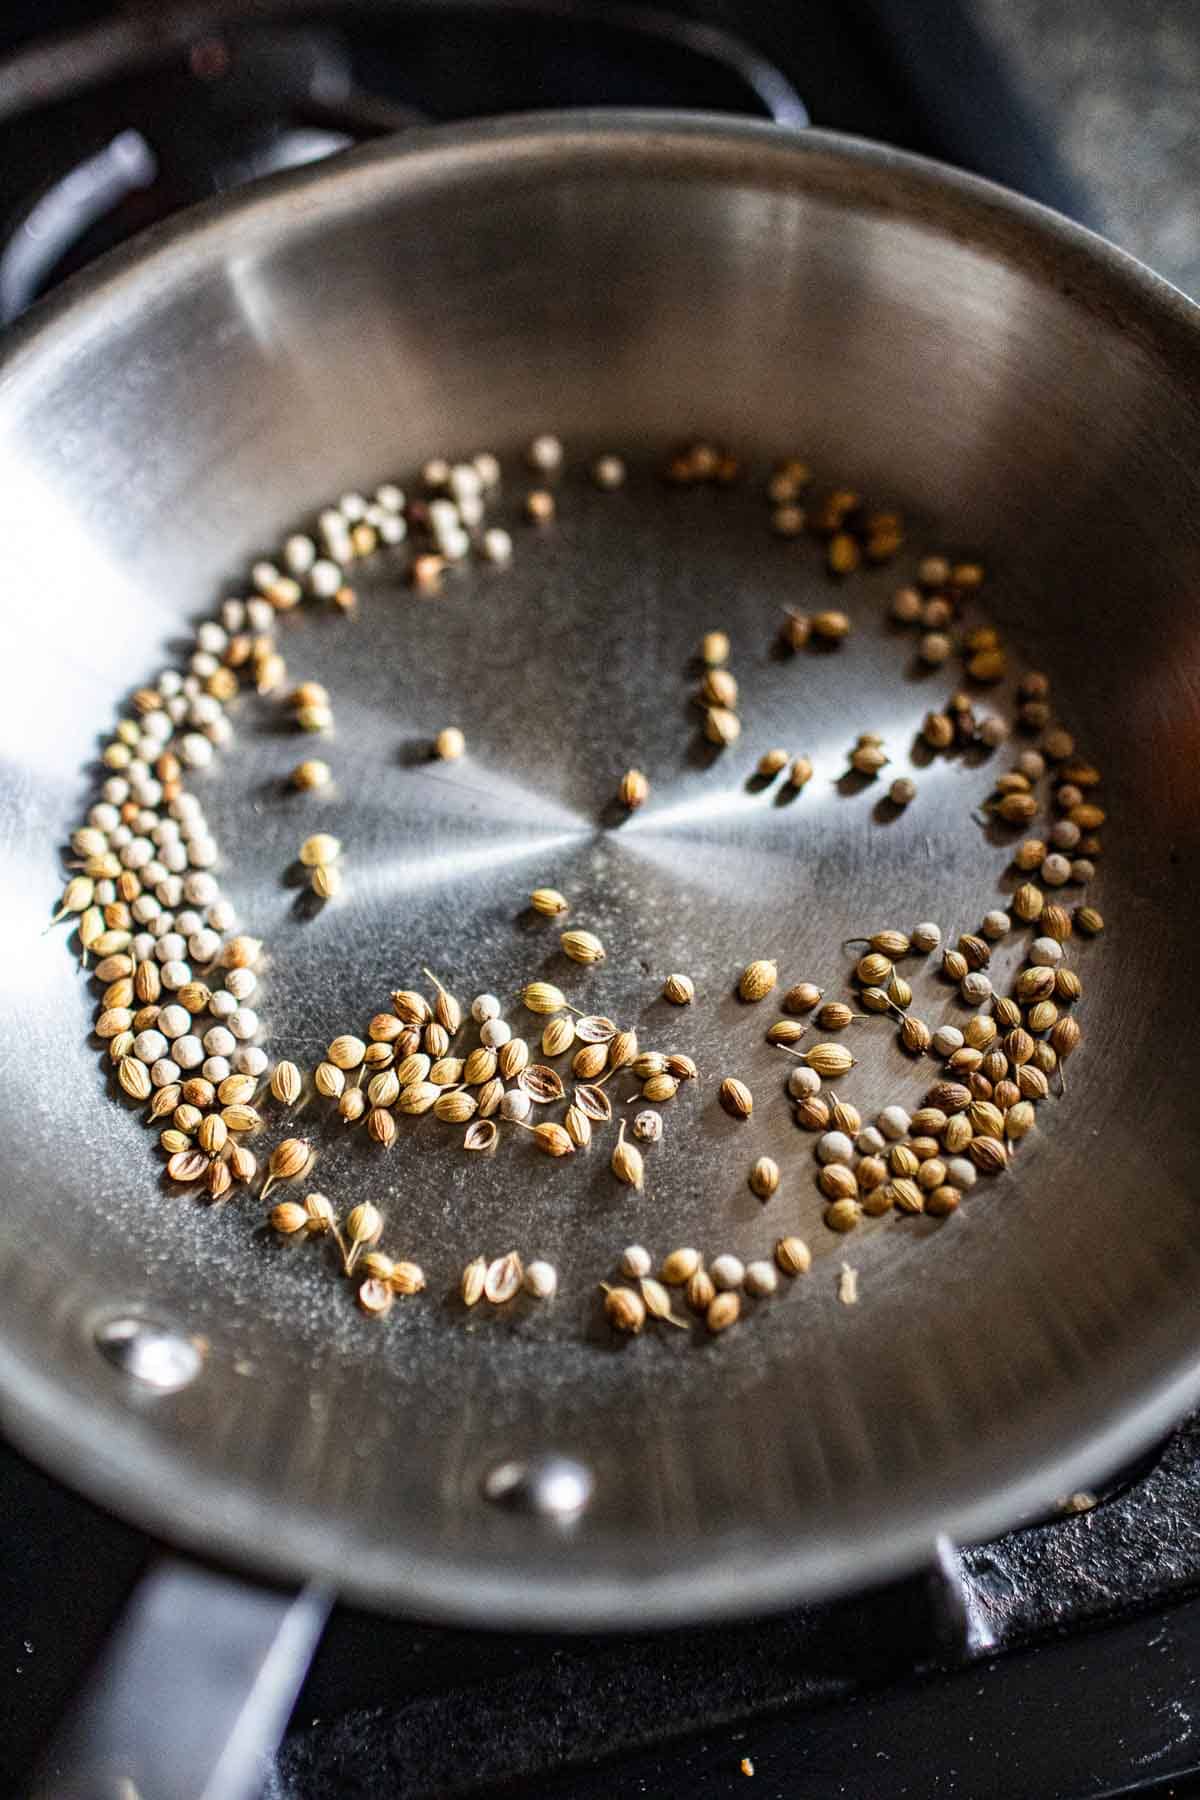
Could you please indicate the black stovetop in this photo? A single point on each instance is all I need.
(1058, 1662)
(1061, 1661)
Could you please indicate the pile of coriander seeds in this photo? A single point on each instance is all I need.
(178, 979)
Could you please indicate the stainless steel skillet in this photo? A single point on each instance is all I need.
(1016, 387)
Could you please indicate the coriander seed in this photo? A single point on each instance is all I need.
(625, 1310)
(764, 1177)
(552, 905)
(736, 1098)
(679, 1266)
(633, 790)
(757, 979)
(582, 947)
(288, 1161)
(626, 1162)
(722, 727)
(723, 1311)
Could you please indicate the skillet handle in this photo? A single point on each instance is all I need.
(191, 1694)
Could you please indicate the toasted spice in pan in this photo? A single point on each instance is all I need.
(176, 978)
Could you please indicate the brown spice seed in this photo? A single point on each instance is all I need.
(512, 1058)
(835, 1015)
(625, 1310)
(578, 1127)
(736, 1098)
(1034, 984)
(700, 1291)
(502, 1282)
(594, 1102)
(679, 1266)
(582, 946)
(906, 1196)
(454, 1108)
(764, 1177)
(843, 1215)
(479, 1067)
(757, 979)
(552, 1140)
(988, 1154)
(542, 1084)
(837, 1182)
(793, 1256)
(589, 1062)
(595, 1029)
(287, 1218)
(626, 1162)
(549, 902)
(187, 1165)
(723, 1311)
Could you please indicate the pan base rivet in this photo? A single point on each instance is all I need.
(151, 1353)
(547, 1486)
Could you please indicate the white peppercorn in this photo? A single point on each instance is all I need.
(761, 1278)
(545, 453)
(174, 1021)
(894, 1122)
(925, 937)
(727, 1271)
(541, 1280)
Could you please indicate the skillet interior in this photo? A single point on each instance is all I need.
(1018, 390)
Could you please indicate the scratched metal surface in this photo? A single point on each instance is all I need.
(1021, 393)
